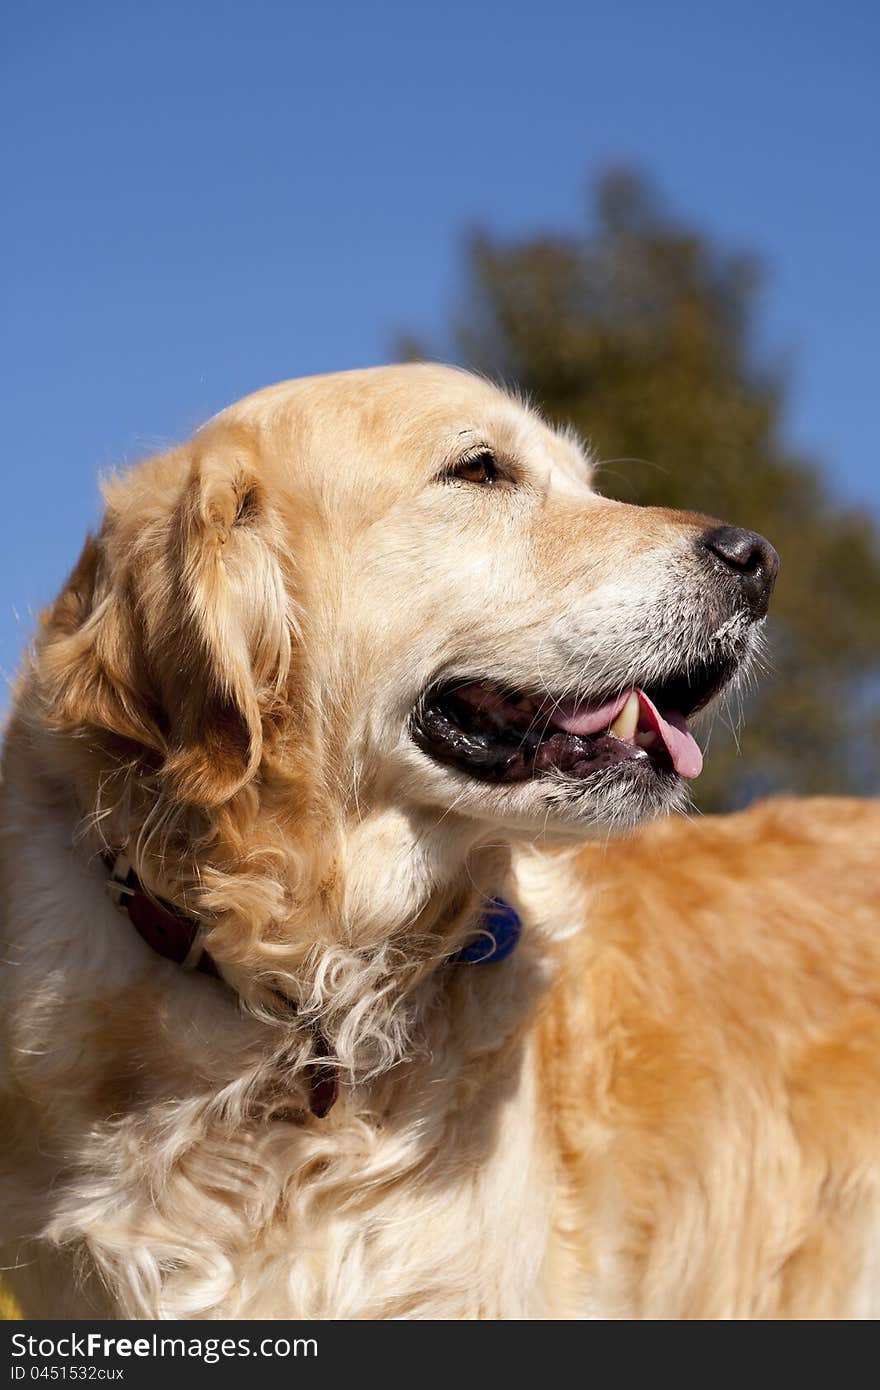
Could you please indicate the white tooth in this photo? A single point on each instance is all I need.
(627, 721)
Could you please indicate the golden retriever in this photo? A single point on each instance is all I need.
(347, 690)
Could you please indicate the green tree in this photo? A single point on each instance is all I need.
(639, 334)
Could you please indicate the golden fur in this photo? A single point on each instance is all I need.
(665, 1103)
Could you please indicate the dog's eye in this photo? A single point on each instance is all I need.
(478, 468)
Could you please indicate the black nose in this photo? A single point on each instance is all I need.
(750, 558)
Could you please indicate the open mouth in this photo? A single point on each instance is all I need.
(499, 735)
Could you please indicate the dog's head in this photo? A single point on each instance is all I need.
(383, 589)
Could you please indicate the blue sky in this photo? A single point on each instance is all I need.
(203, 198)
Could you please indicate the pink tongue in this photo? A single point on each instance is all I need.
(671, 728)
(683, 749)
(582, 719)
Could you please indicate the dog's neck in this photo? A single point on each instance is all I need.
(402, 867)
(360, 940)
(380, 907)
(400, 877)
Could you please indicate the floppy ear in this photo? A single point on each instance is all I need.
(173, 633)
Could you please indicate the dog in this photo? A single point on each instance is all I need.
(337, 980)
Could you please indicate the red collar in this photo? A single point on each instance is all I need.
(176, 937)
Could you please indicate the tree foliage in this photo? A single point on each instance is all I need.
(639, 333)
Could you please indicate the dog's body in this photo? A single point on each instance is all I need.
(260, 684)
